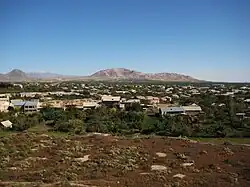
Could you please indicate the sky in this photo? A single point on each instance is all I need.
(206, 39)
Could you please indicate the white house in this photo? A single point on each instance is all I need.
(6, 124)
(4, 104)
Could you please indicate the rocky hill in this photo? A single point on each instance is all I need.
(17, 75)
(122, 73)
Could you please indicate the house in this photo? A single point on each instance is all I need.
(247, 114)
(192, 109)
(130, 102)
(111, 101)
(141, 97)
(90, 105)
(240, 115)
(247, 100)
(166, 99)
(25, 106)
(29, 94)
(153, 100)
(6, 124)
(19, 85)
(152, 111)
(30, 106)
(189, 110)
(172, 110)
(175, 96)
(17, 104)
(4, 104)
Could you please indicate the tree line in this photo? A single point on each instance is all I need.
(214, 122)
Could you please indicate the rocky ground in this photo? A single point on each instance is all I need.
(29, 159)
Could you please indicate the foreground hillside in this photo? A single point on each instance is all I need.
(29, 159)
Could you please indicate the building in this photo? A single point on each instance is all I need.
(111, 101)
(4, 103)
(25, 106)
(247, 101)
(128, 103)
(172, 110)
(192, 109)
(240, 115)
(6, 124)
(30, 106)
(17, 104)
(189, 110)
(153, 100)
(166, 99)
(90, 105)
(29, 94)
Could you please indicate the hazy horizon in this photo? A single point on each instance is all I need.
(208, 40)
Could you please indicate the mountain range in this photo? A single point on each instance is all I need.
(17, 75)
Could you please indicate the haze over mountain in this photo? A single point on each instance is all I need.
(17, 75)
(42, 75)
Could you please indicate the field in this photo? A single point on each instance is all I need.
(35, 159)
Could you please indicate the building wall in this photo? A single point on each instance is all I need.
(4, 106)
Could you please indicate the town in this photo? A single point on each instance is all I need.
(225, 107)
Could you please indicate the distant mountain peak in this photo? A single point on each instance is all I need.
(16, 71)
(123, 73)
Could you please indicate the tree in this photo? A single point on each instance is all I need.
(75, 126)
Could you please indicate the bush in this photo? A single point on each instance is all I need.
(24, 122)
(75, 126)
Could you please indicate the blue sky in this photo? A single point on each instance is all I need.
(207, 39)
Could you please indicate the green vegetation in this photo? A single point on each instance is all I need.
(218, 119)
(215, 122)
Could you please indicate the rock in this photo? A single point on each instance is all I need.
(187, 164)
(82, 159)
(79, 185)
(192, 141)
(180, 176)
(44, 135)
(171, 149)
(100, 134)
(145, 173)
(203, 152)
(196, 170)
(14, 168)
(228, 151)
(175, 184)
(181, 156)
(35, 158)
(161, 154)
(158, 168)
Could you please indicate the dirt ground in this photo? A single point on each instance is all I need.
(29, 159)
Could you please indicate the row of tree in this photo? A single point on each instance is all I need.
(219, 123)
